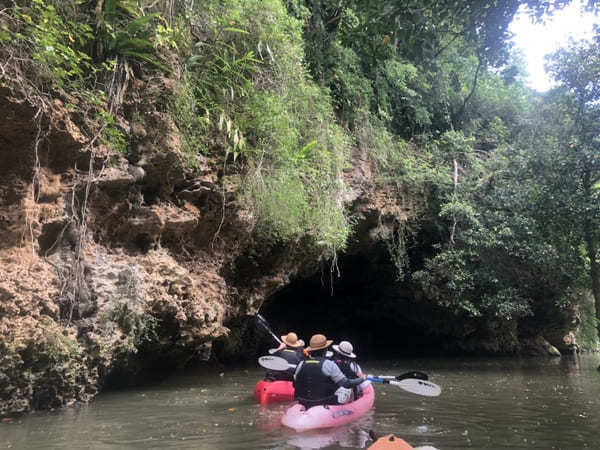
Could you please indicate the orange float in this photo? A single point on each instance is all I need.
(390, 442)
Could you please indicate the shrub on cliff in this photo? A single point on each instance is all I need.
(267, 116)
(42, 366)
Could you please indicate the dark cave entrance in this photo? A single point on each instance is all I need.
(366, 305)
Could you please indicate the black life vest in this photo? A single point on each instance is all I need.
(312, 387)
(344, 365)
(291, 355)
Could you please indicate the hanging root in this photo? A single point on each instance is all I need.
(118, 85)
(73, 286)
(35, 184)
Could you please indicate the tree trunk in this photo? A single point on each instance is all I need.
(592, 251)
(592, 247)
(453, 230)
(458, 116)
(99, 27)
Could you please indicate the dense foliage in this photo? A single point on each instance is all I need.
(450, 119)
(505, 181)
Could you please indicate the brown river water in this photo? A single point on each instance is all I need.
(485, 403)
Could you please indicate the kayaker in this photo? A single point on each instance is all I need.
(346, 361)
(291, 349)
(317, 378)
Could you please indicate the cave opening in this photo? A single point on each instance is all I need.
(367, 305)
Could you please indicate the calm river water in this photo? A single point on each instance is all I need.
(485, 403)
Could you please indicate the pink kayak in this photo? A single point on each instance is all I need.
(301, 419)
(274, 391)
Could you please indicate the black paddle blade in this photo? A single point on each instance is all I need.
(415, 374)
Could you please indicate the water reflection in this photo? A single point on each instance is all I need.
(354, 435)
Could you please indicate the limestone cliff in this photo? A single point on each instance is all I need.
(110, 265)
(102, 258)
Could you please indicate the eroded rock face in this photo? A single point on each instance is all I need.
(103, 265)
(42, 363)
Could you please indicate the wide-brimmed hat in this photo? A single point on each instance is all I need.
(291, 340)
(318, 342)
(345, 348)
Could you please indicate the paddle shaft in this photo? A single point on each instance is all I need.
(382, 380)
(263, 322)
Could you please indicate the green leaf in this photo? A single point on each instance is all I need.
(235, 30)
(139, 24)
(149, 58)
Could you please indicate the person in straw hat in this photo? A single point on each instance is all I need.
(291, 349)
(345, 359)
(317, 378)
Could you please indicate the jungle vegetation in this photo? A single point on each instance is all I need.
(505, 181)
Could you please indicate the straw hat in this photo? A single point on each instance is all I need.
(318, 342)
(345, 348)
(291, 340)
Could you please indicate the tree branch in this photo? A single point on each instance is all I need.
(461, 111)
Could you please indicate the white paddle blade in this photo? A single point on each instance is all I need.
(274, 363)
(419, 387)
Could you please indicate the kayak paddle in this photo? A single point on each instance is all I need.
(277, 363)
(419, 387)
(413, 385)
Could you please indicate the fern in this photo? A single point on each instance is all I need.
(123, 33)
(221, 69)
